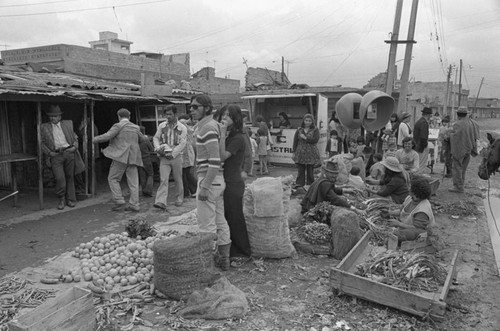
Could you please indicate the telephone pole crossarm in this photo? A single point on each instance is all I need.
(400, 41)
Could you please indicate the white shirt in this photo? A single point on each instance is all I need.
(59, 137)
(403, 132)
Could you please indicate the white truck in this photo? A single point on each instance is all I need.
(295, 104)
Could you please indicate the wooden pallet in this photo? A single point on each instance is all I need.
(72, 310)
(423, 304)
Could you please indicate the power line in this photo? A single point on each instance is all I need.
(36, 4)
(83, 9)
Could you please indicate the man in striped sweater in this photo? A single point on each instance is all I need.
(210, 137)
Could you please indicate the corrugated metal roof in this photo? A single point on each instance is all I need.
(16, 82)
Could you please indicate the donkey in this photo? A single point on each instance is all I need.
(491, 158)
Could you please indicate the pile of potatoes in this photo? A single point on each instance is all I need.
(117, 259)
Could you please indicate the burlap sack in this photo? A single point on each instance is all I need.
(221, 301)
(269, 236)
(184, 264)
(345, 231)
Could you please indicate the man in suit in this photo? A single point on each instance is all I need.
(124, 138)
(421, 137)
(60, 146)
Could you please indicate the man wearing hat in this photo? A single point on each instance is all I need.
(444, 142)
(404, 129)
(124, 138)
(323, 189)
(463, 144)
(60, 146)
(421, 137)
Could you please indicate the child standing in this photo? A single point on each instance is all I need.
(254, 152)
(262, 151)
(334, 144)
(360, 141)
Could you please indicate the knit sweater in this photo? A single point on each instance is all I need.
(207, 151)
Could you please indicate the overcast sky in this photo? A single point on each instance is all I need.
(323, 42)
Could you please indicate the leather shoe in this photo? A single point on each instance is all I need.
(70, 203)
(160, 205)
(178, 203)
(132, 208)
(455, 189)
(62, 204)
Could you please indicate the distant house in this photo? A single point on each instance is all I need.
(107, 58)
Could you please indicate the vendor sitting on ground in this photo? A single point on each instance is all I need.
(395, 181)
(415, 215)
(323, 189)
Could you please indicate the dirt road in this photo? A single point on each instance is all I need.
(295, 294)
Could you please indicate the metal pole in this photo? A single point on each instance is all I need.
(460, 85)
(477, 96)
(447, 95)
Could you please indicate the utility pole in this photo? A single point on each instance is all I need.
(406, 66)
(447, 95)
(460, 85)
(282, 69)
(477, 96)
(391, 66)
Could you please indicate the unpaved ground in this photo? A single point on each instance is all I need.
(294, 294)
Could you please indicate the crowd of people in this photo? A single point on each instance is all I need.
(388, 164)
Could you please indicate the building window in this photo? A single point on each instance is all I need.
(125, 48)
(103, 47)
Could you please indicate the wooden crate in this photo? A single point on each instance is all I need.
(72, 310)
(423, 304)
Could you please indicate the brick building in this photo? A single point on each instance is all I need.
(100, 63)
(204, 80)
(256, 77)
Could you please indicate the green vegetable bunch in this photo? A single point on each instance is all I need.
(141, 228)
(320, 213)
(316, 233)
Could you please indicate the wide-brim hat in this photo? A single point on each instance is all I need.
(405, 116)
(427, 110)
(54, 110)
(462, 110)
(391, 163)
(331, 167)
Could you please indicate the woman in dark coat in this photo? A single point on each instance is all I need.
(235, 185)
(305, 150)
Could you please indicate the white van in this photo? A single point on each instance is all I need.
(295, 105)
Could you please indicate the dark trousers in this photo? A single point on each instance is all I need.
(63, 168)
(446, 157)
(188, 181)
(233, 212)
(146, 177)
(301, 175)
